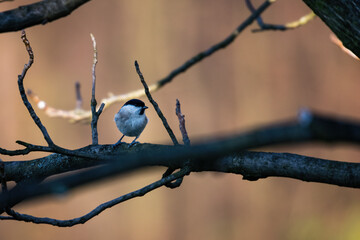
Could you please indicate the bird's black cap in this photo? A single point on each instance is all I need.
(135, 102)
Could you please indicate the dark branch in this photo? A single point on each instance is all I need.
(223, 44)
(252, 165)
(95, 114)
(41, 12)
(308, 128)
(170, 170)
(78, 96)
(342, 17)
(80, 220)
(23, 94)
(156, 106)
(182, 127)
(225, 155)
(85, 116)
(186, 141)
(280, 27)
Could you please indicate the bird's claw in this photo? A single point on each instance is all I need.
(133, 143)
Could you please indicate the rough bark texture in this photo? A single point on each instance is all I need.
(37, 13)
(343, 18)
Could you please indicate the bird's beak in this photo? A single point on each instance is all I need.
(145, 107)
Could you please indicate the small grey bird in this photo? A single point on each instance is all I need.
(131, 119)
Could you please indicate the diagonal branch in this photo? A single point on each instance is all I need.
(156, 106)
(23, 94)
(75, 116)
(342, 17)
(41, 12)
(337, 42)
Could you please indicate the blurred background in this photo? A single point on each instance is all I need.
(259, 79)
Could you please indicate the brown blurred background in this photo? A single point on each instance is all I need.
(259, 79)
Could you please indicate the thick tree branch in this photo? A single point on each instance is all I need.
(342, 17)
(210, 156)
(307, 128)
(41, 12)
(252, 165)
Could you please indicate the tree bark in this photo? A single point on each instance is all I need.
(343, 18)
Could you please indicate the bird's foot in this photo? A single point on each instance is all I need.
(133, 143)
(118, 143)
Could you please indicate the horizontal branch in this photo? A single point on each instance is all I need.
(40, 12)
(225, 155)
(252, 165)
(308, 127)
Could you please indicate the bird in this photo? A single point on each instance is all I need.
(131, 120)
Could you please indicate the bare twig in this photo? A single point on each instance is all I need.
(80, 220)
(301, 21)
(292, 25)
(52, 147)
(182, 127)
(41, 12)
(75, 116)
(23, 94)
(95, 114)
(338, 43)
(78, 96)
(156, 106)
(29, 148)
(186, 141)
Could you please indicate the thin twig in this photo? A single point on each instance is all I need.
(80, 220)
(182, 127)
(23, 94)
(95, 114)
(78, 96)
(85, 116)
(186, 141)
(338, 43)
(156, 106)
(288, 26)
